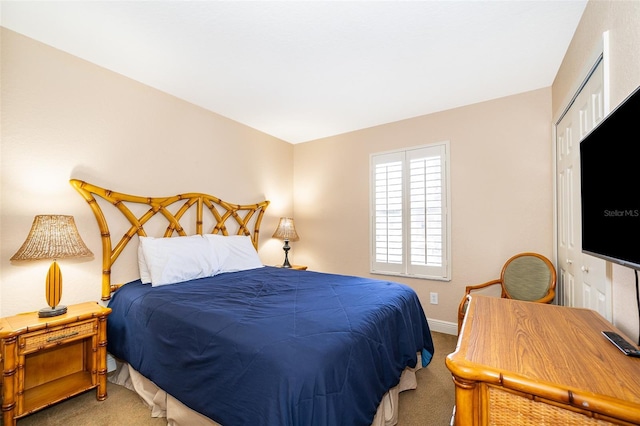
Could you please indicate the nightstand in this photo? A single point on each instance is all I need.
(298, 267)
(48, 360)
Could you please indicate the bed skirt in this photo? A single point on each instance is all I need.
(164, 405)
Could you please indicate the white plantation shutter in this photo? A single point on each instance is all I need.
(409, 212)
(388, 212)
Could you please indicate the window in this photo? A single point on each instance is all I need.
(409, 212)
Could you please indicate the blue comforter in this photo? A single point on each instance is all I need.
(271, 346)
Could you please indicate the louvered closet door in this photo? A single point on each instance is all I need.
(583, 279)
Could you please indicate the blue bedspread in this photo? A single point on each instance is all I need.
(271, 346)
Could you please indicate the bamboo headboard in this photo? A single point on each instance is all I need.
(242, 219)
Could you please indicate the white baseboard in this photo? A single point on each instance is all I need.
(443, 326)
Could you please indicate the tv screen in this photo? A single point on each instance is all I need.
(610, 186)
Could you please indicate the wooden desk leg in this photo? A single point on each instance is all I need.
(9, 357)
(466, 402)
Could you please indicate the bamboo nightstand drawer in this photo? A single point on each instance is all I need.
(56, 336)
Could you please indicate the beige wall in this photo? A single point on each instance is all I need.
(622, 21)
(501, 186)
(63, 117)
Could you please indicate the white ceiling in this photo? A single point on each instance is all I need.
(303, 70)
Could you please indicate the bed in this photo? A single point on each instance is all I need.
(208, 335)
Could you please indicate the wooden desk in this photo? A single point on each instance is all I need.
(530, 363)
(47, 360)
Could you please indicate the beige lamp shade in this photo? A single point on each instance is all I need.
(286, 230)
(53, 237)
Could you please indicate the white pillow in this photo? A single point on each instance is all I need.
(145, 277)
(178, 259)
(235, 252)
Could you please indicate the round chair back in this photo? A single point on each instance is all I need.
(527, 277)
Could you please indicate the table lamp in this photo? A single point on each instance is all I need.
(52, 237)
(286, 231)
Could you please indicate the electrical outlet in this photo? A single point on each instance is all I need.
(434, 298)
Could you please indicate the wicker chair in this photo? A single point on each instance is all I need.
(526, 276)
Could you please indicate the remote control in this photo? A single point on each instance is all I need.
(626, 347)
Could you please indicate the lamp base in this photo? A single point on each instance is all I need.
(286, 248)
(52, 312)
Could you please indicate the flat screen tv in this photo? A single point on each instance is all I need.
(610, 186)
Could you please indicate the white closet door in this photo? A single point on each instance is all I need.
(583, 279)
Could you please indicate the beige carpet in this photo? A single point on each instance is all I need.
(430, 404)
